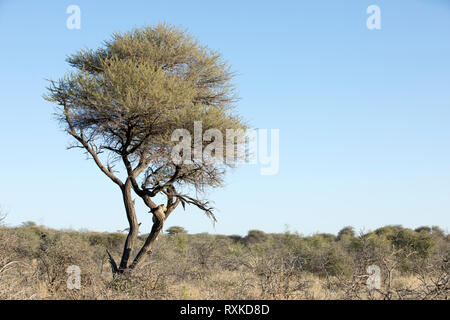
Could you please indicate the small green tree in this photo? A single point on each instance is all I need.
(122, 105)
(176, 230)
(255, 236)
(345, 233)
(437, 231)
(424, 229)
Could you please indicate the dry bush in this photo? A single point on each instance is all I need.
(433, 275)
(278, 275)
(33, 265)
(143, 284)
(56, 253)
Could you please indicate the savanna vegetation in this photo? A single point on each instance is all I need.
(121, 106)
(413, 265)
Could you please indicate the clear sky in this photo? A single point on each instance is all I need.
(364, 115)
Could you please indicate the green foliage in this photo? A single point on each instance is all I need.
(255, 236)
(175, 230)
(107, 240)
(180, 241)
(412, 241)
(434, 230)
(236, 237)
(437, 231)
(129, 96)
(345, 233)
(389, 230)
(326, 236)
(425, 229)
(419, 241)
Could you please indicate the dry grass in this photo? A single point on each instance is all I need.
(34, 260)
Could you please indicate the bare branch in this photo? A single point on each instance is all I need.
(90, 149)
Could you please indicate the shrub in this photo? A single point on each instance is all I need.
(255, 236)
(175, 230)
(345, 233)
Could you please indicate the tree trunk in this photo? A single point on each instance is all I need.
(134, 227)
(158, 222)
(160, 214)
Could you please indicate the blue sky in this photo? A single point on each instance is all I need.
(363, 114)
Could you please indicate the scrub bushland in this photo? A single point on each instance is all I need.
(413, 264)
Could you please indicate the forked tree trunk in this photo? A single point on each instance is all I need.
(158, 223)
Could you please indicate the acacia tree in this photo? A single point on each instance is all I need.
(122, 103)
